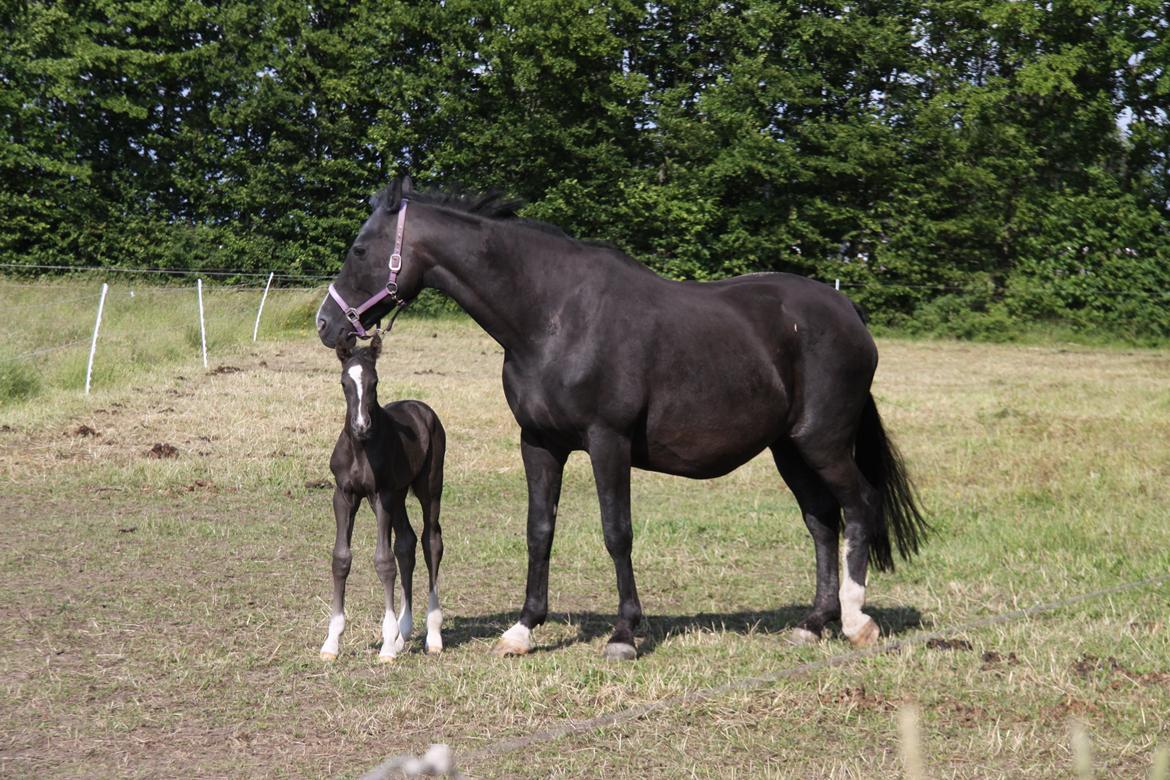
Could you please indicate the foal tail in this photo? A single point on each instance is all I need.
(882, 465)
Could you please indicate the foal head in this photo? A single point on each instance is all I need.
(359, 380)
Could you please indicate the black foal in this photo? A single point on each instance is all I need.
(382, 452)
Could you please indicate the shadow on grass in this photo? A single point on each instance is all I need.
(656, 629)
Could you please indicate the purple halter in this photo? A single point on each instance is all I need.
(354, 313)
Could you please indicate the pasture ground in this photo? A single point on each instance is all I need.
(162, 615)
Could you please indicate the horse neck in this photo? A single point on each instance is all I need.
(497, 273)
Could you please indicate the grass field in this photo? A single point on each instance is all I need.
(162, 615)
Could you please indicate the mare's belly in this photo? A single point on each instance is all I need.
(701, 442)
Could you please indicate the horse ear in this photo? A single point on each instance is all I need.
(376, 345)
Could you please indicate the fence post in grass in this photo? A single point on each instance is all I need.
(264, 297)
(1161, 766)
(837, 286)
(910, 743)
(202, 327)
(1082, 751)
(93, 344)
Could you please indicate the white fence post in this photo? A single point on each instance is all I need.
(264, 297)
(202, 327)
(93, 344)
(838, 285)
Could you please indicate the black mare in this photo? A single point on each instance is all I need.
(694, 379)
(382, 452)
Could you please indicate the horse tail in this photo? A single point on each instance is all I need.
(898, 511)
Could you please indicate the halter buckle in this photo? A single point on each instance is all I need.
(352, 315)
(395, 262)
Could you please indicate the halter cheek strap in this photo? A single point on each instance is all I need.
(354, 313)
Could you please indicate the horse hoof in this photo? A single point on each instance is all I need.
(327, 656)
(619, 651)
(867, 635)
(434, 649)
(802, 636)
(506, 647)
(386, 659)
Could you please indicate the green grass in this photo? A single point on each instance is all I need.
(45, 338)
(162, 616)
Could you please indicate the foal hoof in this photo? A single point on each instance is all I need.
(506, 647)
(867, 635)
(802, 636)
(619, 651)
(327, 656)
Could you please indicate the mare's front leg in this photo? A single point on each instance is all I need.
(544, 467)
(345, 506)
(392, 642)
(610, 455)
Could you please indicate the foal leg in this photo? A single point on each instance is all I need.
(822, 516)
(610, 457)
(429, 490)
(405, 543)
(392, 641)
(345, 508)
(544, 468)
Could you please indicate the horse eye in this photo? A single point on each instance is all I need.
(360, 251)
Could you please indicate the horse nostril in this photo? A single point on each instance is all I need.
(321, 324)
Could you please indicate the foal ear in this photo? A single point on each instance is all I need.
(344, 349)
(376, 345)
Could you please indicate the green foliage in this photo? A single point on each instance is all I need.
(1012, 150)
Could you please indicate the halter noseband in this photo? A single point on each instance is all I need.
(354, 313)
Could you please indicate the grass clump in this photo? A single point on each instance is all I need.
(19, 381)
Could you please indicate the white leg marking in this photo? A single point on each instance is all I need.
(434, 643)
(392, 642)
(858, 626)
(329, 650)
(519, 635)
(355, 373)
(405, 617)
(852, 595)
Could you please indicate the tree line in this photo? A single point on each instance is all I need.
(966, 163)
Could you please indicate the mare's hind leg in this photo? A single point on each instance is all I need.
(429, 490)
(861, 504)
(384, 507)
(405, 543)
(822, 516)
(345, 508)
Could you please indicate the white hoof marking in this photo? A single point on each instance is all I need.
(331, 648)
(434, 641)
(802, 636)
(517, 640)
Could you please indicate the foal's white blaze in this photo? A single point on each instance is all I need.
(434, 641)
(392, 642)
(355, 373)
(333, 641)
(852, 596)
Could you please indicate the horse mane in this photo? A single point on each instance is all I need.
(492, 204)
